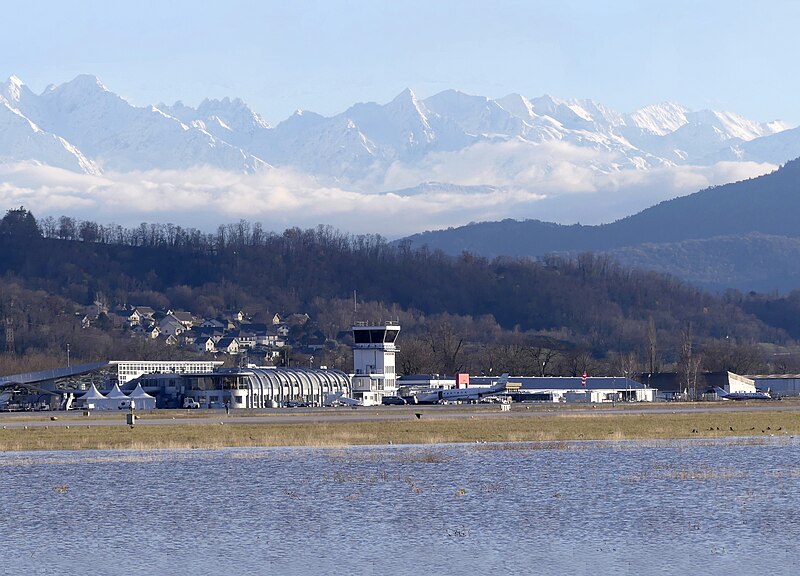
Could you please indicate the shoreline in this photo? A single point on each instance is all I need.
(384, 427)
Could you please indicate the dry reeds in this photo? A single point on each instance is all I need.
(546, 430)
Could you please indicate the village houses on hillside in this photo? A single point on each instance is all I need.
(232, 333)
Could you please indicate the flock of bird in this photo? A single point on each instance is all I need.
(716, 429)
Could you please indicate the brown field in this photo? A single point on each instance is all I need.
(431, 429)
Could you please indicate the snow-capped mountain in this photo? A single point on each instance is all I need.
(22, 140)
(229, 120)
(83, 126)
(118, 136)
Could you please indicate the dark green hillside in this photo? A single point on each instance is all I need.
(586, 300)
(753, 262)
(768, 205)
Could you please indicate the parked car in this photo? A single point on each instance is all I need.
(393, 400)
(190, 403)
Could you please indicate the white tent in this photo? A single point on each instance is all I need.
(93, 399)
(143, 400)
(116, 400)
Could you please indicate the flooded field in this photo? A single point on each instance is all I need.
(708, 506)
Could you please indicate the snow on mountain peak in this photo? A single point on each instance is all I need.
(408, 117)
(776, 126)
(732, 124)
(364, 142)
(13, 90)
(15, 84)
(407, 102)
(233, 112)
(84, 91)
(517, 105)
(407, 94)
(660, 119)
(88, 82)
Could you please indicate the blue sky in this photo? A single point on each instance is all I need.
(324, 56)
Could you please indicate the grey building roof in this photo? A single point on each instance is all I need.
(565, 382)
(43, 375)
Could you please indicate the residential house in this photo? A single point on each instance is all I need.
(228, 345)
(274, 337)
(171, 326)
(214, 323)
(151, 332)
(170, 340)
(254, 327)
(183, 317)
(246, 338)
(235, 316)
(214, 333)
(141, 315)
(204, 344)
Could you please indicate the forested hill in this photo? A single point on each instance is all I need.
(586, 299)
(768, 205)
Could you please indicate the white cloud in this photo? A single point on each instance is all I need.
(491, 181)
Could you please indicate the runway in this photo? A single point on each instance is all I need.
(11, 420)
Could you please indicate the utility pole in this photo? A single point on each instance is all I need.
(9, 335)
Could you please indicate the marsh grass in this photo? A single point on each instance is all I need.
(518, 427)
(426, 457)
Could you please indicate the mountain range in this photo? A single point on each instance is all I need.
(84, 127)
(413, 150)
(740, 235)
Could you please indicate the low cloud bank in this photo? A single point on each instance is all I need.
(556, 182)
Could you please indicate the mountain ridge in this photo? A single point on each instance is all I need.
(365, 142)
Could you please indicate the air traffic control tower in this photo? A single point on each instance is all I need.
(373, 361)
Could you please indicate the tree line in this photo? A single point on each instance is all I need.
(545, 316)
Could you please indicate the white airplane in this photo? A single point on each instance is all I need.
(339, 399)
(757, 395)
(462, 394)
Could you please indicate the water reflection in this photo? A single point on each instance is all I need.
(702, 507)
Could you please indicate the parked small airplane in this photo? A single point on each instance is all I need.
(757, 395)
(339, 399)
(462, 394)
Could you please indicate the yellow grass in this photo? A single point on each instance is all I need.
(431, 429)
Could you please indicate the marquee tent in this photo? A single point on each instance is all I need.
(142, 400)
(93, 399)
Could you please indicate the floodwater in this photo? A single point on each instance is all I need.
(729, 506)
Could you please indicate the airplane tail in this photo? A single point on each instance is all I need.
(720, 392)
(501, 383)
(332, 397)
